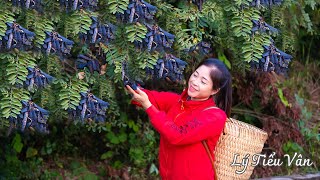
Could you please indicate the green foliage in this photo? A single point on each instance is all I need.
(311, 134)
(31, 152)
(114, 57)
(39, 25)
(136, 32)
(283, 98)
(104, 90)
(52, 65)
(116, 6)
(17, 144)
(78, 22)
(241, 22)
(252, 50)
(80, 171)
(292, 147)
(52, 8)
(147, 60)
(5, 17)
(69, 95)
(10, 104)
(16, 68)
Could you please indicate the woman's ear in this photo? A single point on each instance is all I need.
(215, 91)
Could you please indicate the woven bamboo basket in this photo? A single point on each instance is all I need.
(237, 138)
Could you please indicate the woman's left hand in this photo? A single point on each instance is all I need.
(140, 97)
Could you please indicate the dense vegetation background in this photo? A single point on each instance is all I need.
(275, 68)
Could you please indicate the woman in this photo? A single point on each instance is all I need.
(184, 121)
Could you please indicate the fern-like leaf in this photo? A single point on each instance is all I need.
(79, 22)
(118, 6)
(252, 50)
(241, 22)
(136, 32)
(69, 95)
(16, 69)
(5, 17)
(10, 104)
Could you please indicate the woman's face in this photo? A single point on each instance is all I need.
(200, 84)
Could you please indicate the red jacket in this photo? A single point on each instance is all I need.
(182, 126)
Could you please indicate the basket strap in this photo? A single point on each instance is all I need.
(211, 107)
(204, 142)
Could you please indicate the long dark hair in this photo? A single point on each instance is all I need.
(221, 79)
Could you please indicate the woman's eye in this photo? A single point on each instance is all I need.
(194, 75)
(203, 82)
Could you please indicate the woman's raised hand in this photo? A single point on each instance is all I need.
(140, 97)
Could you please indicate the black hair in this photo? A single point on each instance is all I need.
(222, 81)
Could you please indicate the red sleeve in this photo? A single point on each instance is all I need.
(207, 124)
(162, 100)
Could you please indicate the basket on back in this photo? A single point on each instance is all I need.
(237, 138)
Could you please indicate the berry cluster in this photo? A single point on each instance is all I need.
(37, 78)
(170, 68)
(199, 3)
(79, 4)
(156, 39)
(17, 37)
(91, 108)
(32, 116)
(85, 61)
(99, 32)
(273, 60)
(125, 78)
(138, 10)
(33, 4)
(261, 26)
(202, 48)
(265, 3)
(55, 43)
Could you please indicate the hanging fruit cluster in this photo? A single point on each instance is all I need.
(37, 78)
(55, 43)
(138, 11)
(85, 61)
(156, 39)
(32, 4)
(79, 4)
(265, 3)
(90, 108)
(198, 3)
(125, 77)
(32, 116)
(169, 68)
(273, 60)
(17, 37)
(261, 26)
(98, 32)
(202, 48)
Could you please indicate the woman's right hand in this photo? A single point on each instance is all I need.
(140, 97)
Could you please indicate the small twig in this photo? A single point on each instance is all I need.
(314, 90)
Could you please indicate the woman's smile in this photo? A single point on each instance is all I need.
(192, 89)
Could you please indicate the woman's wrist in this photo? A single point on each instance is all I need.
(146, 105)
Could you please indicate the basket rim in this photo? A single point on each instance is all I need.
(240, 129)
(246, 125)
